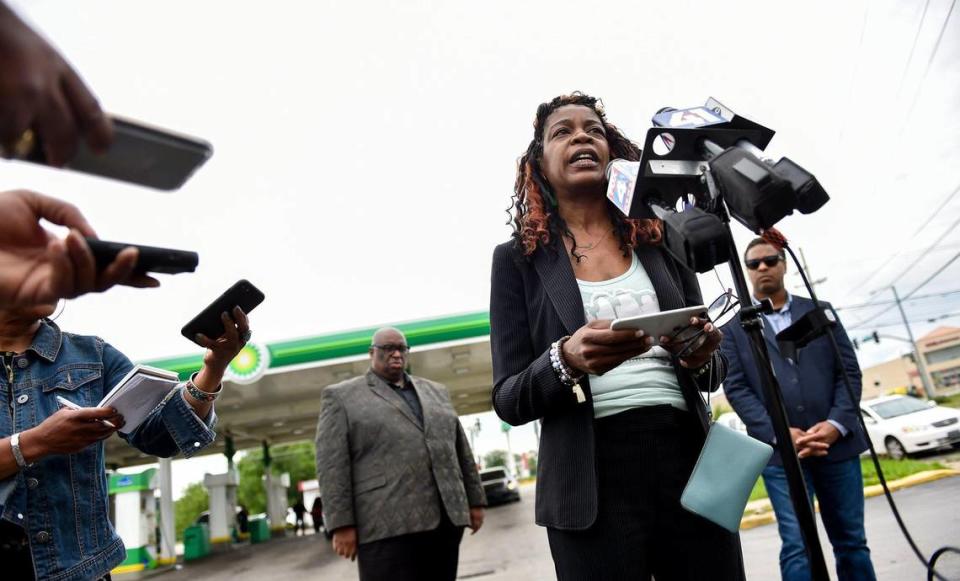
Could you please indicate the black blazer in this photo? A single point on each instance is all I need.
(534, 302)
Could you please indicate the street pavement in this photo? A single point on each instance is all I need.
(510, 547)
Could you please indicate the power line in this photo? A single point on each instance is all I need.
(900, 323)
(910, 294)
(946, 233)
(913, 47)
(926, 70)
(906, 119)
(926, 223)
(881, 303)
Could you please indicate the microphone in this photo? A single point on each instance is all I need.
(621, 183)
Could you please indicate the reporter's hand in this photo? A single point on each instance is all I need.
(596, 349)
(40, 91)
(345, 542)
(68, 431)
(476, 519)
(698, 354)
(221, 351)
(36, 267)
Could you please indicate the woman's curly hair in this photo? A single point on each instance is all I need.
(533, 204)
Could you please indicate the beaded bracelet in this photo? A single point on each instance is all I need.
(563, 371)
(200, 395)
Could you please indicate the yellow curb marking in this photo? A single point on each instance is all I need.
(766, 516)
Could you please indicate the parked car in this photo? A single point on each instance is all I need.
(904, 425)
(732, 421)
(499, 486)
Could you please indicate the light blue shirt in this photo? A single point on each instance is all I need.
(780, 320)
(641, 381)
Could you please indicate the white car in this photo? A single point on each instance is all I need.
(904, 425)
(732, 421)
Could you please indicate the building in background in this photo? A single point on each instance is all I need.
(940, 350)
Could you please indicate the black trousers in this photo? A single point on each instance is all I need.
(644, 458)
(427, 556)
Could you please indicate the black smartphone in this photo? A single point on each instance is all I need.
(151, 259)
(140, 154)
(242, 294)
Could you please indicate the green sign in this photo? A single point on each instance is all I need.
(130, 482)
(505, 426)
(249, 365)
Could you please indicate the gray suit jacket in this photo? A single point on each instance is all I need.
(381, 471)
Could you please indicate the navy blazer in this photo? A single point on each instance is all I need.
(534, 302)
(812, 386)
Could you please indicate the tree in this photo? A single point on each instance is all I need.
(297, 459)
(194, 501)
(495, 458)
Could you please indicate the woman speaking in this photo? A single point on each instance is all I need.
(623, 421)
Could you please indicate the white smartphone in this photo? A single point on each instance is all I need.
(658, 324)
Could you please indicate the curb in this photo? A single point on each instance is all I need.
(762, 511)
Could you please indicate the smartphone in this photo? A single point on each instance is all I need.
(140, 154)
(151, 259)
(242, 294)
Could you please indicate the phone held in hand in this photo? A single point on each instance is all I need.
(242, 294)
(140, 154)
(151, 258)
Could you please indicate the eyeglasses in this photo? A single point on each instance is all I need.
(720, 312)
(770, 261)
(391, 347)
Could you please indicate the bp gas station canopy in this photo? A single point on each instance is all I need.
(280, 401)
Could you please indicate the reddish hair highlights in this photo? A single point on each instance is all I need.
(533, 204)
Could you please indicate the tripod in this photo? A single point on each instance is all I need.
(752, 323)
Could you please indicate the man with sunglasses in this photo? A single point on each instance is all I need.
(824, 425)
(396, 472)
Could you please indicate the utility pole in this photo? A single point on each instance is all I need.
(813, 281)
(928, 388)
(474, 432)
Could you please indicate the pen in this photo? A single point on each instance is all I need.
(67, 403)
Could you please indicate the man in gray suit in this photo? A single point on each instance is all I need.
(397, 477)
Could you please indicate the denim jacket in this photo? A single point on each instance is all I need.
(61, 501)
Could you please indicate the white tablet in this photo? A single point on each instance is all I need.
(658, 324)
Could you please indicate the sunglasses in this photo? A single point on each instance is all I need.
(770, 261)
(391, 347)
(720, 312)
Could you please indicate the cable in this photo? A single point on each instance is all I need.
(881, 303)
(926, 223)
(913, 47)
(928, 564)
(926, 70)
(935, 274)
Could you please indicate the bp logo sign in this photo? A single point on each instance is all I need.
(249, 365)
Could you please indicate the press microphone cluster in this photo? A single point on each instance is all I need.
(758, 192)
(694, 157)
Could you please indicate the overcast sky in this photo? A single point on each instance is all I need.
(365, 151)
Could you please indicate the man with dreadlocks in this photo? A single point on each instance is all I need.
(623, 420)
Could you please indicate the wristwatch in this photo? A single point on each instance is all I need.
(17, 454)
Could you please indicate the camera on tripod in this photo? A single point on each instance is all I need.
(694, 157)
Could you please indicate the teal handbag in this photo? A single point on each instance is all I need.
(728, 467)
